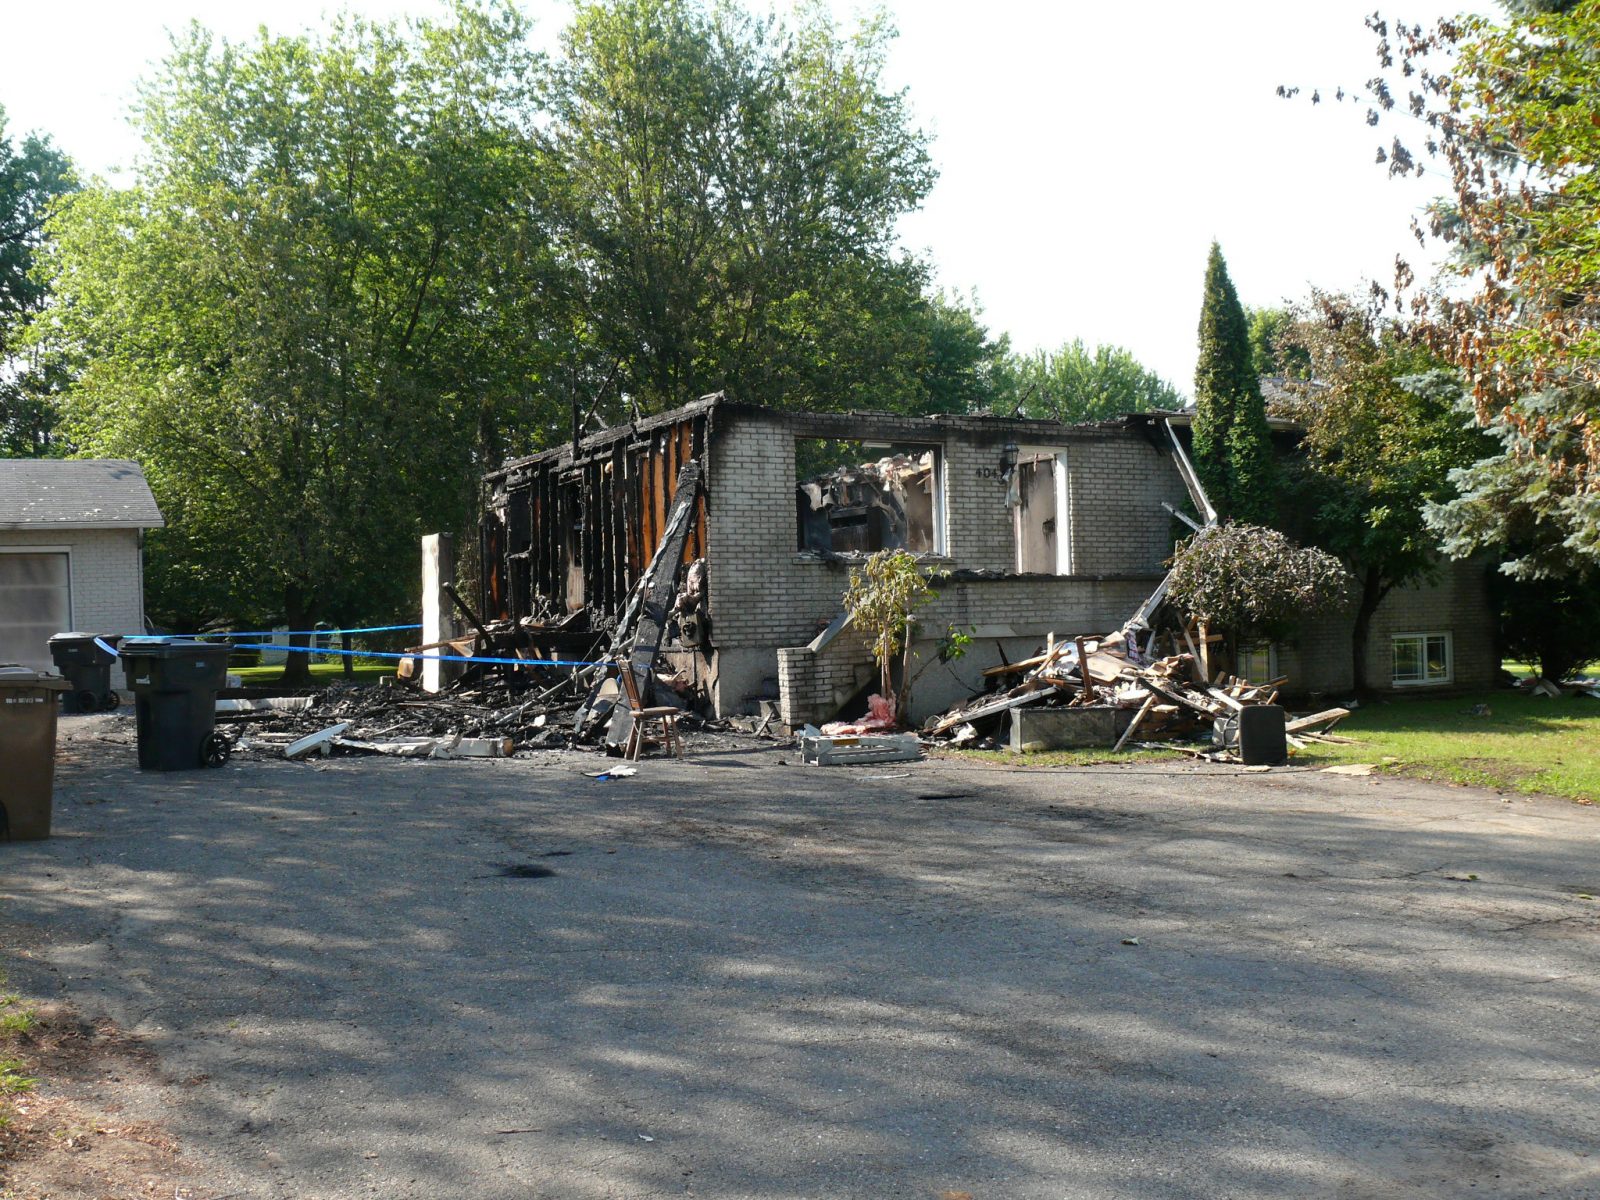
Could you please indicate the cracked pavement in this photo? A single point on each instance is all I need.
(747, 979)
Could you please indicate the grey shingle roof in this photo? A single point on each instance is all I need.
(75, 493)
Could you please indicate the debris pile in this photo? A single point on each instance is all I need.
(484, 717)
(489, 719)
(1171, 696)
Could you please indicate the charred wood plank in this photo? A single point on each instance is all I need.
(644, 622)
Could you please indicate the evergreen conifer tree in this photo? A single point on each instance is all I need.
(1232, 447)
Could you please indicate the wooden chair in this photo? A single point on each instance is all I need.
(664, 713)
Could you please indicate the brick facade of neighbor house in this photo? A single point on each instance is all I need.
(1319, 658)
(575, 526)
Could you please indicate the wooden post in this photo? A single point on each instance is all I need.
(1134, 724)
(438, 616)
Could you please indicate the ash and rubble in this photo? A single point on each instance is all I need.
(487, 713)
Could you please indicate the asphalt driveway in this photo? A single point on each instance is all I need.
(737, 978)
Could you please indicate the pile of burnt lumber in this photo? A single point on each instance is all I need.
(1173, 696)
(491, 720)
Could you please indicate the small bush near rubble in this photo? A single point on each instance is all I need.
(1249, 580)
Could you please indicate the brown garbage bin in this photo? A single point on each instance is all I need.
(28, 750)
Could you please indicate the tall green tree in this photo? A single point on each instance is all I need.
(725, 190)
(34, 176)
(1384, 431)
(1075, 383)
(308, 316)
(1232, 444)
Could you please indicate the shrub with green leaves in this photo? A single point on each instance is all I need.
(1252, 580)
(882, 599)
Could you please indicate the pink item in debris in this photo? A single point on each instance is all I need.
(879, 719)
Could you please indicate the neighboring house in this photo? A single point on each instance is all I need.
(1043, 528)
(71, 551)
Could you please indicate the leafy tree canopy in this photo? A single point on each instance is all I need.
(34, 175)
(308, 307)
(1075, 383)
(1272, 351)
(1511, 108)
(1252, 580)
(725, 190)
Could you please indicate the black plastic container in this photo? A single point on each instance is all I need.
(85, 663)
(175, 684)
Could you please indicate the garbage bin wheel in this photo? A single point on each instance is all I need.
(113, 702)
(214, 750)
(86, 701)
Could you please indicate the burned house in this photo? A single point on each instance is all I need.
(1039, 528)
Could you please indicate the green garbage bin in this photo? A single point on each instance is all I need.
(28, 750)
(175, 684)
(85, 659)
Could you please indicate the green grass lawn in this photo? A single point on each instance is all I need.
(366, 671)
(1525, 743)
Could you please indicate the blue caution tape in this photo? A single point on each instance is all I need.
(107, 647)
(461, 658)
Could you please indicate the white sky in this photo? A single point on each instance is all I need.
(1089, 152)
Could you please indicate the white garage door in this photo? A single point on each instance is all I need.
(35, 602)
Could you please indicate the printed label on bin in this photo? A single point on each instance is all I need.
(24, 699)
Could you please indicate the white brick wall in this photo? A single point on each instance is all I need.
(107, 582)
(764, 595)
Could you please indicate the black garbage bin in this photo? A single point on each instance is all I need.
(27, 750)
(84, 660)
(175, 684)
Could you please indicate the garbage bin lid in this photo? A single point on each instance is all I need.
(170, 647)
(14, 675)
(73, 636)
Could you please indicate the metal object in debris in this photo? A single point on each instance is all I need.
(1256, 734)
(851, 749)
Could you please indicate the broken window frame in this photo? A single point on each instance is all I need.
(1063, 507)
(1248, 653)
(871, 451)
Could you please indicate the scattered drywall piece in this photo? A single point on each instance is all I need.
(311, 741)
(269, 704)
(395, 747)
(483, 747)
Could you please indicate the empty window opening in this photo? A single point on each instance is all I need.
(1421, 659)
(1039, 504)
(858, 497)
